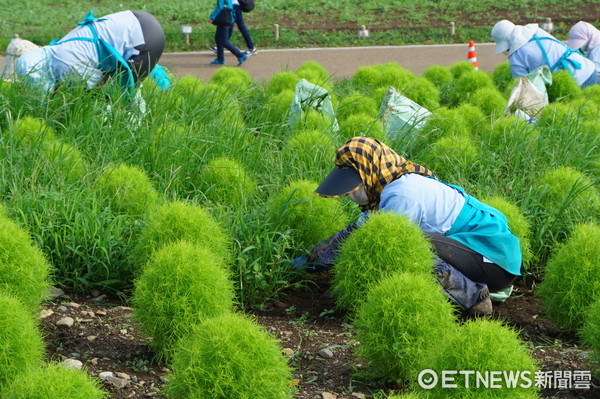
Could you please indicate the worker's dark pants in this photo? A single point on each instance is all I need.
(470, 263)
(154, 44)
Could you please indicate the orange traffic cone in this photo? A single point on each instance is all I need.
(471, 56)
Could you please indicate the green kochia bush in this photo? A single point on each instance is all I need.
(128, 188)
(567, 197)
(465, 86)
(563, 86)
(572, 279)
(29, 130)
(386, 243)
(52, 382)
(315, 73)
(313, 218)
(181, 285)
(227, 181)
(231, 78)
(483, 346)
(403, 319)
(489, 100)
(21, 346)
(439, 75)
(502, 76)
(361, 124)
(461, 68)
(229, 357)
(310, 153)
(24, 270)
(281, 81)
(355, 103)
(517, 223)
(177, 221)
(590, 331)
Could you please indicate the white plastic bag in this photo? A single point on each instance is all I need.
(529, 96)
(399, 113)
(310, 96)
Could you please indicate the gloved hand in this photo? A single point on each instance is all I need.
(299, 262)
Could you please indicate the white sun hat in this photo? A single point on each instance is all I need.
(583, 33)
(502, 33)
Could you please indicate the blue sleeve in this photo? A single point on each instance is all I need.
(517, 67)
(401, 205)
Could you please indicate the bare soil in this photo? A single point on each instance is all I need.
(105, 338)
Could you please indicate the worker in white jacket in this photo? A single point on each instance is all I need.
(585, 37)
(128, 43)
(529, 47)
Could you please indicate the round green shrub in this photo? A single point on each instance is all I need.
(569, 195)
(313, 120)
(563, 86)
(517, 223)
(592, 93)
(181, 285)
(482, 346)
(24, 270)
(572, 279)
(177, 221)
(443, 122)
(128, 188)
(52, 382)
(67, 158)
(392, 74)
(278, 105)
(509, 132)
(475, 121)
(451, 154)
(490, 101)
(467, 84)
(309, 153)
(589, 331)
(21, 346)
(227, 181)
(232, 78)
(315, 73)
(461, 68)
(502, 76)
(281, 81)
(386, 243)
(439, 75)
(229, 357)
(311, 217)
(29, 130)
(366, 77)
(361, 124)
(355, 103)
(403, 318)
(423, 92)
(188, 86)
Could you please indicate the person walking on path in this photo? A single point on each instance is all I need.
(241, 25)
(476, 251)
(223, 32)
(585, 37)
(529, 47)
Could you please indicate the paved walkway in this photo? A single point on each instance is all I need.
(340, 62)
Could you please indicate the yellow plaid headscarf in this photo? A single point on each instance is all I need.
(376, 163)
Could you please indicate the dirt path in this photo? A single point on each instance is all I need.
(340, 62)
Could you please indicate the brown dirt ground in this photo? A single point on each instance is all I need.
(304, 321)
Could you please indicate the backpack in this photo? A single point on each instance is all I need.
(246, 5)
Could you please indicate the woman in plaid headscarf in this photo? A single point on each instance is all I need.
(472, 240)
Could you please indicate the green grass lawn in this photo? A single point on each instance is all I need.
(306, 23)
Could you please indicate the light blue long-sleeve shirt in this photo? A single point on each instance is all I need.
(529, 56)
(437, 207)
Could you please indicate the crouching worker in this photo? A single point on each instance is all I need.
(529, 47)
(127, 44)
(475, 251)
